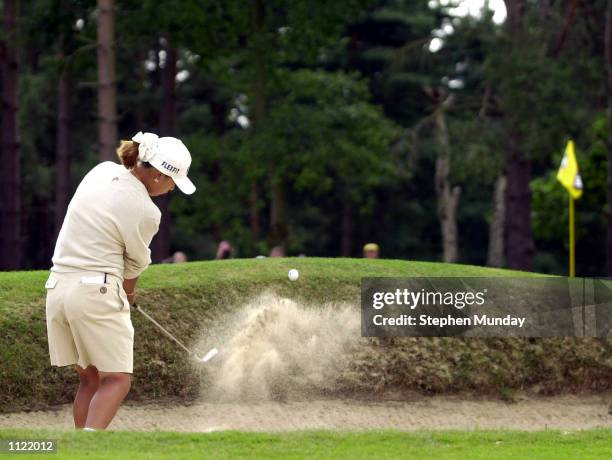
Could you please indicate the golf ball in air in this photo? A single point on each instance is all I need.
(293, 274)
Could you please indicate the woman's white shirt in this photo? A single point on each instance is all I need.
(109, 225)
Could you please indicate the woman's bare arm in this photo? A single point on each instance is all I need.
(129, 286)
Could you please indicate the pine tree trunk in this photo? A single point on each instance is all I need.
(261, 102)
(10, 225)
(608, 42)
(346, 240)
(260, 108)
(107, 96)
(63, 149)
(167, 127)
(45, 224)
(495, 256)
(519, 243)
(447, 196)
(254, 221)
(278, 214)
(142, 73)
(219, 113)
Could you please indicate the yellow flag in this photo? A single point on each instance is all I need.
(568, 173)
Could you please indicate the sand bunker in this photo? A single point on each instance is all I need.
(431, 413)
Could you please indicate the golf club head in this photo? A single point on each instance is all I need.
(207, 357)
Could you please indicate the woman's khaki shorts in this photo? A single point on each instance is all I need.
(89, 323)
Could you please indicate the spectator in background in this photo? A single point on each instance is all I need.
(370, 251)
(277, 251)
(177, 258)
(224, 250)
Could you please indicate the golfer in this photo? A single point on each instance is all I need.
(101, 250)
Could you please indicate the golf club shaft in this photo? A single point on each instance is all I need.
(179, 343)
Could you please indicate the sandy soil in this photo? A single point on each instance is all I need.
(437, 413)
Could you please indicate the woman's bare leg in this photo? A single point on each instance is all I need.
(114, 386)
(88, 386)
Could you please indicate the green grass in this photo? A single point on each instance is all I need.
(190, 298)
(591, 444)
(23, 287)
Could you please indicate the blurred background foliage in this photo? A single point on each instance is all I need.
(312, 123)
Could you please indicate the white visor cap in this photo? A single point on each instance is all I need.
(169, 156)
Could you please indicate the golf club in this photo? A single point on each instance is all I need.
(196, 355)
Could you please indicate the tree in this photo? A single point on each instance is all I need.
(107, 94)
(56, 40)
(194, 29)
(495, 253)
(608, 50)
(391, 46)
(167, 127)
(533, 76)
(65, 88)
(277, 37)
(325, 140)
(447, 195)
(10, 221)
(519, 243)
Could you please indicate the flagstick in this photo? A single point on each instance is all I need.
(572, 261)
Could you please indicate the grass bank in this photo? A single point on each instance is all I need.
(188, 298)
(592, 444)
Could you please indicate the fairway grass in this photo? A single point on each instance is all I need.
(591, 444)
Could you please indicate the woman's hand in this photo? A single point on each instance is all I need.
(129, 286)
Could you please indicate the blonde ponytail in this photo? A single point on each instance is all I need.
(128, 153)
